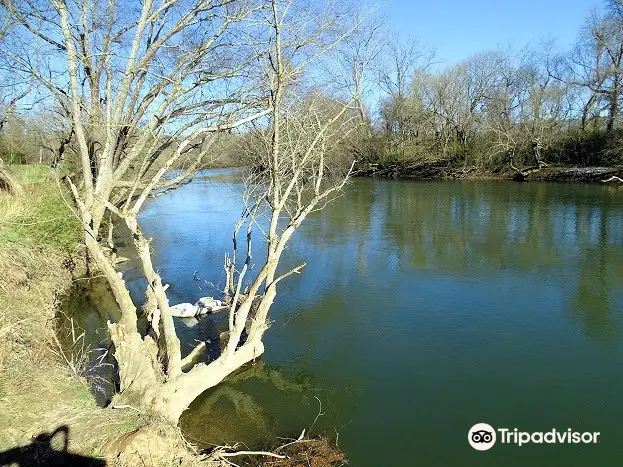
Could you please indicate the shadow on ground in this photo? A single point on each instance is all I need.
(41, 452)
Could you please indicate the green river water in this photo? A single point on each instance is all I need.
(425, 308)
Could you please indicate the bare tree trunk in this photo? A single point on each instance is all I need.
(585, 110)
(613, 107)
(175, 395)
(135, 116)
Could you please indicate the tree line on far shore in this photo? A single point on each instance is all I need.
(497, 110)
(504, 109)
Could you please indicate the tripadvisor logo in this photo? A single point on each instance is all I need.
(483, 436)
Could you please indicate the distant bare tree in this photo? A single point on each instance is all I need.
(359, 51)
(402, 59)
(596, 63)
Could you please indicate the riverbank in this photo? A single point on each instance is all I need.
(42, 389)
(445, 170)
(48, 415)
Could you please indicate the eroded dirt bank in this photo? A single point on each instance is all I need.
(445, 170)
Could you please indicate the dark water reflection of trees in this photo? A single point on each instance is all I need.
(559, 233)
(416, 298)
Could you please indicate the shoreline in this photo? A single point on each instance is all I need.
(443, 171)
(45, 400)
(47, 409)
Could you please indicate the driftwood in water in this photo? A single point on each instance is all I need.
(613, 179)
(521, 175)
(417, 170)
(447, 170)
(570, 174)
(8, 182)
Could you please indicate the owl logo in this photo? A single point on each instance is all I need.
(481, 436)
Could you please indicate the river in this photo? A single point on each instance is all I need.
(425, 308)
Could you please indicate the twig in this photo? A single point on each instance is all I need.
(250, 453)
(189, 445)
(300, 439)
(8, 327)
(296, 270)
(126, 406)
(320, 412)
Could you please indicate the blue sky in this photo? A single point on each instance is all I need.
(459, 28)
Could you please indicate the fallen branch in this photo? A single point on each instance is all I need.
(614, 178)
(125, 406)
(300, 439)
(250, 453)
(189, 361)
(320, 413)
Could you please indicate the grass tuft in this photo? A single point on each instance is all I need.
(43, 217)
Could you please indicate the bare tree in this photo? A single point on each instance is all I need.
(543, 109)
(299, 177)
(402, 59)
(150, 89)
(596, 65)
(147, 89)
(56, 136)
(359, 51)
(133, 83)
(10, 94)
(12, 90)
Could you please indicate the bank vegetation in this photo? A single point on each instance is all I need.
(501, 111)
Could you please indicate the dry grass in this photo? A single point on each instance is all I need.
(42, 387)
(38, 390)
(41, 218)
(38, 235)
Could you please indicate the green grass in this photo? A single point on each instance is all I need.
(43, 216)
(83, 397)
(38, 232)
(130, 424)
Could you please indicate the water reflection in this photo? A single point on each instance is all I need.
(82, 331)
(243, 407)
(424, 308)
(567, 235)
